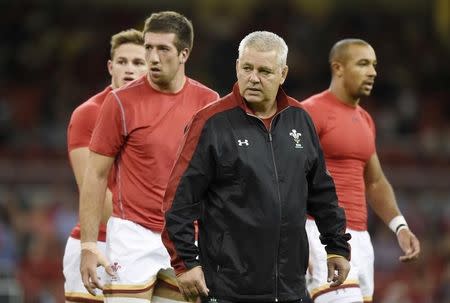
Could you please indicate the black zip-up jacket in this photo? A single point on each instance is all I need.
(250, 190)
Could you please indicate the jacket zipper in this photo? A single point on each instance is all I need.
(278, 192)
(279, 200)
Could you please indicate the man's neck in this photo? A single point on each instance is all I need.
(171, 87)
(263, 110)
(341, 94)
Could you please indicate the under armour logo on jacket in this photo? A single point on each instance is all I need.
(243, 142)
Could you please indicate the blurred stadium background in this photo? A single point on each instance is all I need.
(53, 56)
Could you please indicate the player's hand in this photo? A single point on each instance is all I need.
(409, 244)
(192, 283)
(342, 266)
(88, 270)
(91, 257)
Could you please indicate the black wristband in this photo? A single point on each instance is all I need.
(398, 227)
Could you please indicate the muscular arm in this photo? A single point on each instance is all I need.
(79, 159)
(382, 200)
(379, 191)
(93, 192)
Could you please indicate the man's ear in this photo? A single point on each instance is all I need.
(184, 55)
(337, 68)
(284, 73)
(110, 67)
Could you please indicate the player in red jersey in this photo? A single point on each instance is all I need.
(347, 136)
(127, 63)
(138, 132)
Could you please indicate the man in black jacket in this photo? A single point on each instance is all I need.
(249, 171)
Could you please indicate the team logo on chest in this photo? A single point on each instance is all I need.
(296, 137)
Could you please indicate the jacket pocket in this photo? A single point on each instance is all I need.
(230, 260)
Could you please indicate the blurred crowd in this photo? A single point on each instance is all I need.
(54, 57)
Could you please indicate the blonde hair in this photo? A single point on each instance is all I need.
(124, 37)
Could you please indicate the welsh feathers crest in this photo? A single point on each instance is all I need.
(296, 137)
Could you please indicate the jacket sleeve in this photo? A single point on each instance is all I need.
(323, 205)
(187, 186)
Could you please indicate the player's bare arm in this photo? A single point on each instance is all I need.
(379, 191)
(92, 197)
(78, 159)
(381, 198)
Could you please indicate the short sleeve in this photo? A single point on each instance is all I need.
(316, 116)
(110, 130)
(370, 122)
(81, 126)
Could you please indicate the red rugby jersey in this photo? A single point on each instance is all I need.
(142, 129)
(347, 136)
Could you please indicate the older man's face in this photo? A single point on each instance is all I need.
(259, 75)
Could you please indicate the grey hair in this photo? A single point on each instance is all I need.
(265, 41)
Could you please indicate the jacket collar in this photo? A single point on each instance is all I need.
(282, 99)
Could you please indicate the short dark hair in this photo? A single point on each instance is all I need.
(132, 36)
(172, 22)
(339, 49)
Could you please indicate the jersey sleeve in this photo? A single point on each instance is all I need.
(315, 113)
(110, 130)
(371, 124)
(209, 97)
(81, 126)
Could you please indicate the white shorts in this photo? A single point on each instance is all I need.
(74, 290)
(141, 265)
(359, 284)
